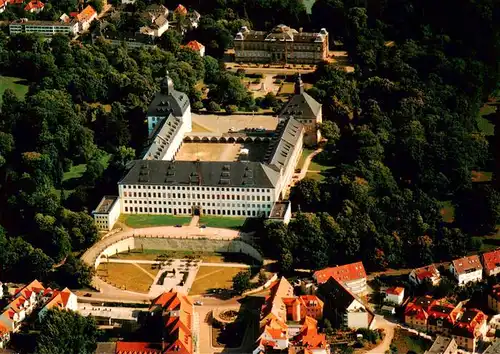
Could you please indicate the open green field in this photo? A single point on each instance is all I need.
(127, 276)
(305, 152)
(223, 222)
(447, 211)
(483, 121)
(15, 84)
(137, 220)
(213, 278)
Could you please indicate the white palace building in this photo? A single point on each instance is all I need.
(161, 184)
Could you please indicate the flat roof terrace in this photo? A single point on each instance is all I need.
(106, 204)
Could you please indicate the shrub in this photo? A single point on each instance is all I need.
(213, 106)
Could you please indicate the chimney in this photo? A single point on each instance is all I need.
(299, 85)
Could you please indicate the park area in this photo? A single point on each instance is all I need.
(213, 277)
(19, 86)
(145, 220)
(128, 276)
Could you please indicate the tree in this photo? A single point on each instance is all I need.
(241, 282)
(74, 274)
(98, 5)
(66, 332)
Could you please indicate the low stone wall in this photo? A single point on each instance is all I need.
(164, 243)
(206, 245)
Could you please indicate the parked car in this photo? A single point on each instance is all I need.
(203, 226)
(178, 225)
(198, 303)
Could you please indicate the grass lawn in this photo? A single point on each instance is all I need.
(126, 276)
(15, 84)
(288, 88)
(483, 121)
(406, 341)
(209, 257)
(317, 176)
(213, 278)
(136, 220)
(481, 176)
(305, 153)
(448, 211)
(71, 178)
(223, 222)
(490, 242)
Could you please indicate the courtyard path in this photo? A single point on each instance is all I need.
(307, 162)
(202, 264)
(144, 271)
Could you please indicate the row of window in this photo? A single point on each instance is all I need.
(233, 205)
(176, 211)
(196, 196)
(208, 189)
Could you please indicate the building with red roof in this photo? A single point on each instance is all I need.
(288, 321)
(470, 327)
(181, 10)
(395, 295)
(197, 47)
(61, 300)
(84, 18)
(3, 5)
(429, 273)
(491, 262)
(353, 276)
(176, 311)
(417, 312)
(34, 6)
(467, 269)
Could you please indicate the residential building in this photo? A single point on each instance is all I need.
(395, 295)
(471, 327)
(177, 314)
(491, 262)
(282, 45)
(494, 299)
(194, 18)
(25, 301)
(290, 322)
(344, 308)
(129, 40)
(197, 47)
(3, 5)
(306, 110)
(128, 2)
(85, 18)
(417, 312)
(467, 269)
(429, 273)
(34, 6)
(61, 300)
(443, 345)
(180, 10)
(44, 28)
(157, 16)
(494, 348)
(353, 276)
(107, 212)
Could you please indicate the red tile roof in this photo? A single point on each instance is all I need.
(467, 264)
(16, 2)
(468, 325)
(86, 14)
(34, 4)
(181, 10)
(138, 348)
(419, 307)
(195, 45)
(426, 272)
(395, 290)
(491, 260)
(344, 273)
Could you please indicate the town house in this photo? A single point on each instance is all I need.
(467, 269)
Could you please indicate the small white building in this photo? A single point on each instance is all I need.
(128, 2)
(61, 300)
(467, 269)
(1, 290)
(197, 47)
(395, 295)
(107, 212)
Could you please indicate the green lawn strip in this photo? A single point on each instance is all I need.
(317, 176)
(223, 222)
(447, 211)
(305, 153)
(13, 83)
(136, 220)
(484, 124)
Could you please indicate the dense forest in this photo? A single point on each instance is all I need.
(403, 137)
(402, 133)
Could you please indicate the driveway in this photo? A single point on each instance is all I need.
(388, 328)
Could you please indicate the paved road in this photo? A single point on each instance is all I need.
(388, 328)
